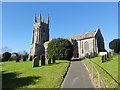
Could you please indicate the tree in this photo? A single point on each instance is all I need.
(23, 54)
(60, 49)
(14, 56)
(5, 49)
(6, 56)
(115, 45)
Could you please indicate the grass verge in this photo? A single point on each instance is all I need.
(111, 66)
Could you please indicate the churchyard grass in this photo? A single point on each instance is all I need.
(23, 75)
(111, 66)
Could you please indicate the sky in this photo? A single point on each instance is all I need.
(66, 19)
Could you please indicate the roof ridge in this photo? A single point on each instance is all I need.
(82, 33)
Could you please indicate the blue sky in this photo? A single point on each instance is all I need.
(66, 19)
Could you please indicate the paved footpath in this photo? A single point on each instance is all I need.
(77, 76)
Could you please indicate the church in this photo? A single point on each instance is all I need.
(88, 42)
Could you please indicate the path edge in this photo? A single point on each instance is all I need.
(65, 73)
(90, 75)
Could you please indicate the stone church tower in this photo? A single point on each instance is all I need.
(40, 35)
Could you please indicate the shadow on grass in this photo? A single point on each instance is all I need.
(10, 80)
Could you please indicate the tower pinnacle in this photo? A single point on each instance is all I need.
(39, 18)
(47, 21)
(35, 20)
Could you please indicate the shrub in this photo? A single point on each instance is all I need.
(6, 56)
(115, 45)
(14, 56)
(60, 49)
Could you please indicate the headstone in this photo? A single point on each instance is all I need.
(53, 60)
(36, 62)
(103, 58)
(107, 54)
(42, 59)
(24, 58)
(49, 61)
(30, 58)
(89, 56)
(112, 53)
(92, 55)
(86, 55)
(18, 59)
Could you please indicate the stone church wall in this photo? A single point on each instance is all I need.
(85, 46)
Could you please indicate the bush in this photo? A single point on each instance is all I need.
(6, 56)
(60, 49)
(115, 45)
(14, 56)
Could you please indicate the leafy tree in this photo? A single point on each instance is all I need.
(115, 45)
(23, 54)
(60, 49)
(14, 56)
(6, 56)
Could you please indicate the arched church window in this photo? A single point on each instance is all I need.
(86, 46)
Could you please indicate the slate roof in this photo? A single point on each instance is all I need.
(83, 35)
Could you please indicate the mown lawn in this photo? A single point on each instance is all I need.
(23, 75)
(111, 66)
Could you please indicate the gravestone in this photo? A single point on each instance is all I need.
(36, 62)
(89, 56)
(53, 60)
(42, 59)
(103, 58)
(112, 53)
(49, 61)
(86, 55)
(92, 55)
(108, 55)
(30, 58)
(18, 59)
(24, 58)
